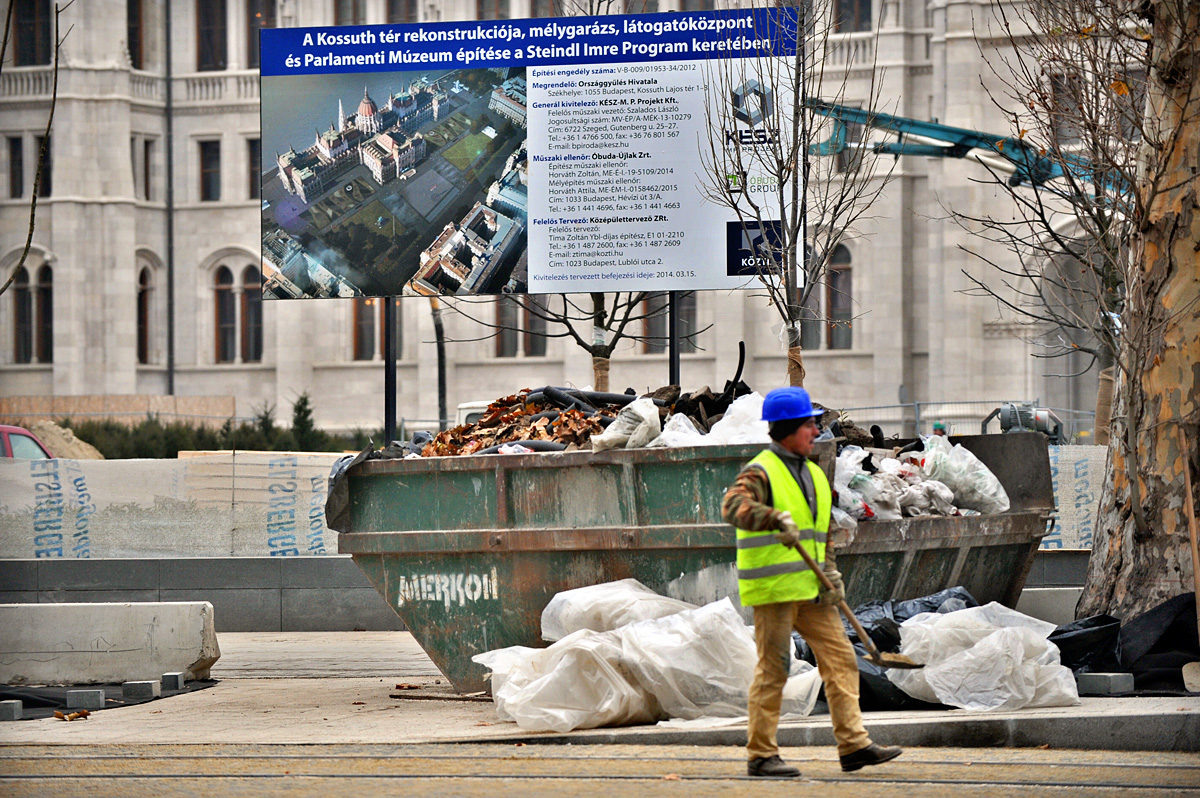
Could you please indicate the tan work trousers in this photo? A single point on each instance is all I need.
(821, 627)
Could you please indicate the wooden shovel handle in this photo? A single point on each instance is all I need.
(863, 637)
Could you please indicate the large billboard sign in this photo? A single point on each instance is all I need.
(522, 156)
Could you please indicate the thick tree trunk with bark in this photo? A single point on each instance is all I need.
(1141, 555)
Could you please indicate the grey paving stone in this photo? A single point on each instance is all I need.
(10, 710)
(1104, 683)
(85, 699)
(174, 681)
(146, 689)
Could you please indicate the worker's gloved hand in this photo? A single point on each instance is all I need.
(789, 533)
(831, 598)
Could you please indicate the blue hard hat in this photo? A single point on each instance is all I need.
(786, 403)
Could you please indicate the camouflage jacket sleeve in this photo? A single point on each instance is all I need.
(747, 503)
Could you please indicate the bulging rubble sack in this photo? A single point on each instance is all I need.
(697, 663)
(679, 431)
(580, 682)
(602, 608)
(984, 658)
(700, 664)
(975, 486)
(742, 423)
(635, 426)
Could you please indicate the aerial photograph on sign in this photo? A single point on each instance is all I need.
(394, 183)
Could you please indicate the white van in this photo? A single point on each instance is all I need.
(470, 412)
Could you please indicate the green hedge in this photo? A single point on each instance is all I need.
(154, 439)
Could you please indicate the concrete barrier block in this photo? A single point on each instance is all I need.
(105, 643)
(141, 690)
(1104, 683)
(1054, 605)
(174, 681)
(11, 710)
(85, 699)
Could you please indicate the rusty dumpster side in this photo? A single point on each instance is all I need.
(469, 550)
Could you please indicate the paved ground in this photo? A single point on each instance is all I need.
(526, 771)
(313, 715)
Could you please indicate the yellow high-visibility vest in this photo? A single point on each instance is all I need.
(768, 571)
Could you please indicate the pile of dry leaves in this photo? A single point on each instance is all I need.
(527, 418)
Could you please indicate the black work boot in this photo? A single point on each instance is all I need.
(771, 767)
(873, 754)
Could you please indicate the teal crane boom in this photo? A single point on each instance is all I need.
(1030, 166)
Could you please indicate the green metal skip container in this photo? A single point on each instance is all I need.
(469, 550)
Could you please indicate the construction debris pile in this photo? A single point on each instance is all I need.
(941, 479)
(567, 419)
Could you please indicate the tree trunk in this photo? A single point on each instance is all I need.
(600, 373)
(795, 367)
(1140, 555)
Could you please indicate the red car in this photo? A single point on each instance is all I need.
(21, 443)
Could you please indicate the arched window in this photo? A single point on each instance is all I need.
(226, 317)
(22, 318)
(33, 37)
(840, 299)
(44, 330)
(520, 331)
(397, 316)
(145, 296)
(364, 328)
(655, 325)
(252, 316)
(507, 323)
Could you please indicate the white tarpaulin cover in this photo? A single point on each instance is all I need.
(988, 657)
(602, 608)
(696, 663)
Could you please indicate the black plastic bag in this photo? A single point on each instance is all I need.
(1156, 645)
(1089, 645)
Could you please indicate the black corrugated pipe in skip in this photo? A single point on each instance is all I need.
(537, 446)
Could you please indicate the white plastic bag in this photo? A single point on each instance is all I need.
(974, 485)
(605, 607)
(882, 494)
(927, 498)
(695, 663)
(580, 682)
(982, 658)
(678, 431)
(742, 423)
(700, 664)
(847, 468)
(635, 426)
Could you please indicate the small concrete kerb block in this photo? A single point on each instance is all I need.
(1104, 683)
(174, 681)
(11, 710)
(85, 699)
(149, 689)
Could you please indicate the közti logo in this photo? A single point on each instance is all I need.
(752, 248)
(752, 104)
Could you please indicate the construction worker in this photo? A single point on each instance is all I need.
(781, 500)
(939, 429)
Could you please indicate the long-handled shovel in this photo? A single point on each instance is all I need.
(874, 655)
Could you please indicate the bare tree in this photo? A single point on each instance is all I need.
(59, 38)
(1104, 102)
(798, 187)
(595, 322)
